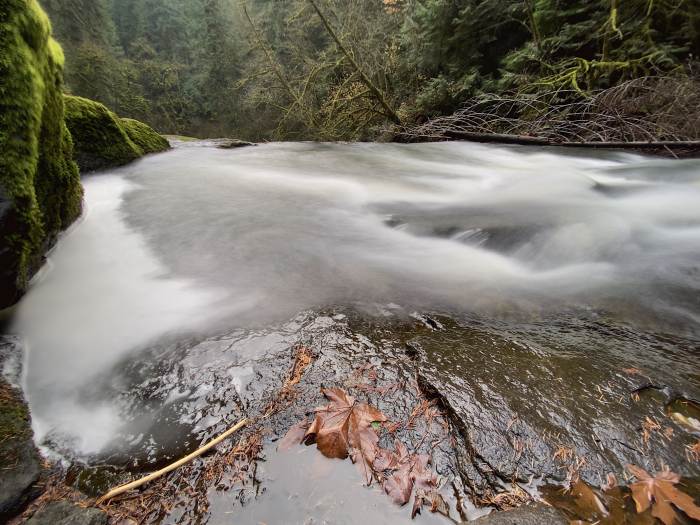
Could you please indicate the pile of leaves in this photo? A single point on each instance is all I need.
(347, 428)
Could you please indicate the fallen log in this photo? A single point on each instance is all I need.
(502, 138)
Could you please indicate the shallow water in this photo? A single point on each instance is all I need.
(303, 483)
(191, 243)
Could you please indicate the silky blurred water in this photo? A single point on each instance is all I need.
(201, 239)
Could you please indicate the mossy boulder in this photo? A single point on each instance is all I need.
(144, 137)
(40, 191)
(103, 140)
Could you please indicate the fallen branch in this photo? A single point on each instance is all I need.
(155, 475)
(503, 138)
(644, 113)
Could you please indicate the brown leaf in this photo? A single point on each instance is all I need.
(659, 493)
(400, 485)
(385, 460)
(432, 498)
(294, 436)
(410, 470)
(632, 371)
(587, 499)
(610, 482)
(364, 444)
(345, 426)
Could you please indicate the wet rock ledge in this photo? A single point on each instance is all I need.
(20, 460)
(22, 470)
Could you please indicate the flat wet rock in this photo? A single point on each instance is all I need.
(492, 405)
(541, 403)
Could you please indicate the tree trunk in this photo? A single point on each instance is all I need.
(363, 76)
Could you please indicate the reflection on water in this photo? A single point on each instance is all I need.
(200, 239)
(301, 486)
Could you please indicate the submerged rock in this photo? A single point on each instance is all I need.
(231, 143)
(40, 192)
(20, 460)
(65, 513)
(103, 140)
(526, 515)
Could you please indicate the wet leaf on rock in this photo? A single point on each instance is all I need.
(430, 498)
(587, 500)
(409, 470)
(659, 493)
(294, 436)
(343, 427)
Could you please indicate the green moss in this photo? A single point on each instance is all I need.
(100, 141)
(181, 138)
(40, 190)
(144, 137)
(15, 424)
(103, 140)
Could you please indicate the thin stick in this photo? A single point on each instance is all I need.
(154, 475)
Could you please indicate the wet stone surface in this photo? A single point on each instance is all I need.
(66, 513)
(492, 402)
(534, 400)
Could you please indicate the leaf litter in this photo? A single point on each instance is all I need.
(347, 428)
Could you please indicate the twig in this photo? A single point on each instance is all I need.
(155, 475)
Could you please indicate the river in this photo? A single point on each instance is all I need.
(547, 272)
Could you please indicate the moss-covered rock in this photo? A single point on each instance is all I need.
(144, 137)
(40, 191)
(103, 140)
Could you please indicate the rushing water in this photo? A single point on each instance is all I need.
(200, 240)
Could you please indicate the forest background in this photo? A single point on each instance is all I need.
(352, 69)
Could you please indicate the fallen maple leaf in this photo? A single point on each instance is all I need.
(344, 428)
(659, 493)
(433, 498)
(294, 436)
(693, 451)
(410, 470)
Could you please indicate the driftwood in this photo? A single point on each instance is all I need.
(155, 475)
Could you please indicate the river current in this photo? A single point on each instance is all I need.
(201, 240)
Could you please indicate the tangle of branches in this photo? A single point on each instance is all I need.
(647, 109)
